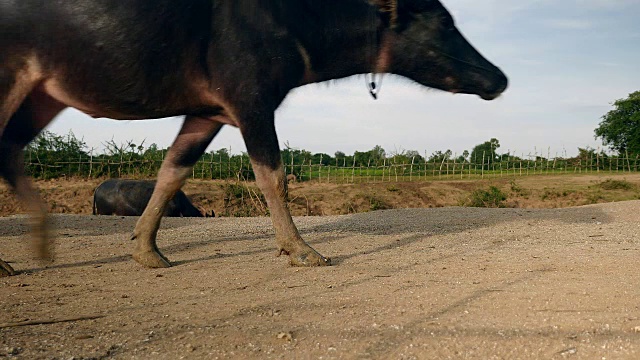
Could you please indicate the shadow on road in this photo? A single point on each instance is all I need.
(416, 224)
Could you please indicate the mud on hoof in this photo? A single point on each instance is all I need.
(6, 269)
(151, 259)
(307, 258)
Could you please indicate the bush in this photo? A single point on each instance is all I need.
(376, 203)
(243, 201)
(51, 156)
(611, 184)
(364, 202)
(490, 198)
(551, 194)
(518, 190)
(594, 198)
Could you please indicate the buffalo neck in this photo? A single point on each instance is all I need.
(339, 36)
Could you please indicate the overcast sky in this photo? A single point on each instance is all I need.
(567, 61)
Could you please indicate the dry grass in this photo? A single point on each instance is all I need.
(74, 196)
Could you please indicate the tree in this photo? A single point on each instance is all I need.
(295, 156)
(222, 155)
(48, 151)
(374, 156)
(464, 157)
(620, 127)
(415, 156)
(322, 158)
(377, 153)
(485, 151)
(439, 156)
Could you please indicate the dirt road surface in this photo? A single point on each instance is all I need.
(445, 283)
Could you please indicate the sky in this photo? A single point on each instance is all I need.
(567, 62)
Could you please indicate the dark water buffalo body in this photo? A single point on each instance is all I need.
(130, 198)
(217, 62)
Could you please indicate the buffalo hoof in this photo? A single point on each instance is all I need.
(151, 259)
(6, 269)
(44, 252)
(44, 246)
(307, 258)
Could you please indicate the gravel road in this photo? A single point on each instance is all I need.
(446, 283)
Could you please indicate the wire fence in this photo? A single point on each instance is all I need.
(345, 170)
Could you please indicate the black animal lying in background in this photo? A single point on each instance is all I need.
(130, 198)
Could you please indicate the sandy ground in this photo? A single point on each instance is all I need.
(459, 283)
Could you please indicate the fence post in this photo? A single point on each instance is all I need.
(448, 163)
(320, 170)
(433, 172)
(353, 170)
(90, 163)
(413, 158)
(441, 165)
(229, 164)
(548, 158)
(426, 163)
(508, 160)
(520, 166)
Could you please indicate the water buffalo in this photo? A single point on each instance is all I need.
(218, 62)
(130, 198)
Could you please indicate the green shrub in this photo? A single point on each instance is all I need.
(243, 201)
(489, 198)
(518, 190)
(594, 198)
(376, 203)
(51, 156)
(549, 194)
(611, 184)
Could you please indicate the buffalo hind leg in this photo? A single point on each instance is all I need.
(32, 116)
(194, 137)
(262, 145)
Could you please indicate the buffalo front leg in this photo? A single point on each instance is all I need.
(262, 145)
(32, 116)
(194, 137)
(17, 79)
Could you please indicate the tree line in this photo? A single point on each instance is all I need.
(51, 155)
